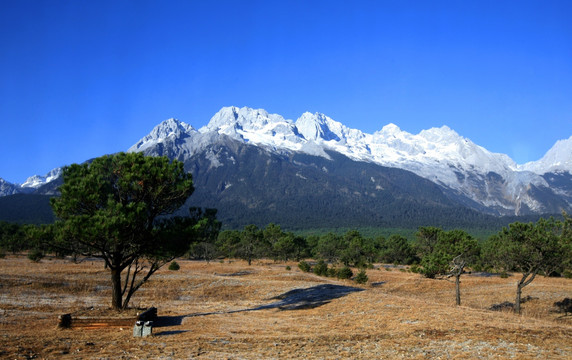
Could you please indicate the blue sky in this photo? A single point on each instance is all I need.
(80, 79)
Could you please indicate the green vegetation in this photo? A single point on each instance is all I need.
(361, 277)
(304, 266)
(345, 273)
(531, 249)
(36, 255)
(114, 208)
(446, 253)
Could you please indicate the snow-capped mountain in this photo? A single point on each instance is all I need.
(464, 169)
(34, 182)
(7, 188)
(168, 129)
(557, 159)
(465, 172)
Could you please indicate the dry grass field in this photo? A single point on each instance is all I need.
(229, 310)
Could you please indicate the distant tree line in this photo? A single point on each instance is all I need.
(531, 249)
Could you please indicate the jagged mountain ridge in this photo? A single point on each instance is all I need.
(466, 171)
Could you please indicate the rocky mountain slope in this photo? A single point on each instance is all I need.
(254, 165)
(468, 173)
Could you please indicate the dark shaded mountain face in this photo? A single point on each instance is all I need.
(249, 185)
(26, 209)
(561, 184)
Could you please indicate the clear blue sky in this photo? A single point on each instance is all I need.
(79, 79)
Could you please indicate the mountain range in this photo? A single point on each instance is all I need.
(257, 167)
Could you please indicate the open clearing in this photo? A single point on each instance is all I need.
(229, 310)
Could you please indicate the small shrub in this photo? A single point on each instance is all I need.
(345, 273)
(35, 255)
(567, 274)
(288, 267)
(174, 266)
(415, 269)
(332, 272)
(321, 268)
(361, 277)
(504, 275)
(564, 306)
(2, 253)
(304, 266)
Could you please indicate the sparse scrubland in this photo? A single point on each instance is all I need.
(289, 296)
(230, 310)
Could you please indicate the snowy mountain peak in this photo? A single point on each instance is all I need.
(170, 128)
(317, 127)
(256, 126)
(230, 119)
(444, 133)
(390, 129)
(36, 181)
(558, 158)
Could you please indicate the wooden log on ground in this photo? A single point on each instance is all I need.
(66, 321)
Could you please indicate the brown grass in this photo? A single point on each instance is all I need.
(222, 311)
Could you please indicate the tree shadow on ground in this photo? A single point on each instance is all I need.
(309, 298)
(295, 299)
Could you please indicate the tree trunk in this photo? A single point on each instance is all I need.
(458, 289)
(525, 280)
(116, 291)
(517, 300)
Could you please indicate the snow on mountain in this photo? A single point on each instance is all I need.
(558, 158)
(7, 188)
(319, 127)
(255, 126)
(168, 129)
(438, 154)
(34, 182)
(390, 146)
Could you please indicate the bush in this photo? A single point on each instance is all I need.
(288, 267)
(2, 253)
(321, 268)
(304, 266)
(564, 306)
(345, 273)
(174, 266)
(35, 255)
(567, 274)
(361, 277)
(332, 272)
